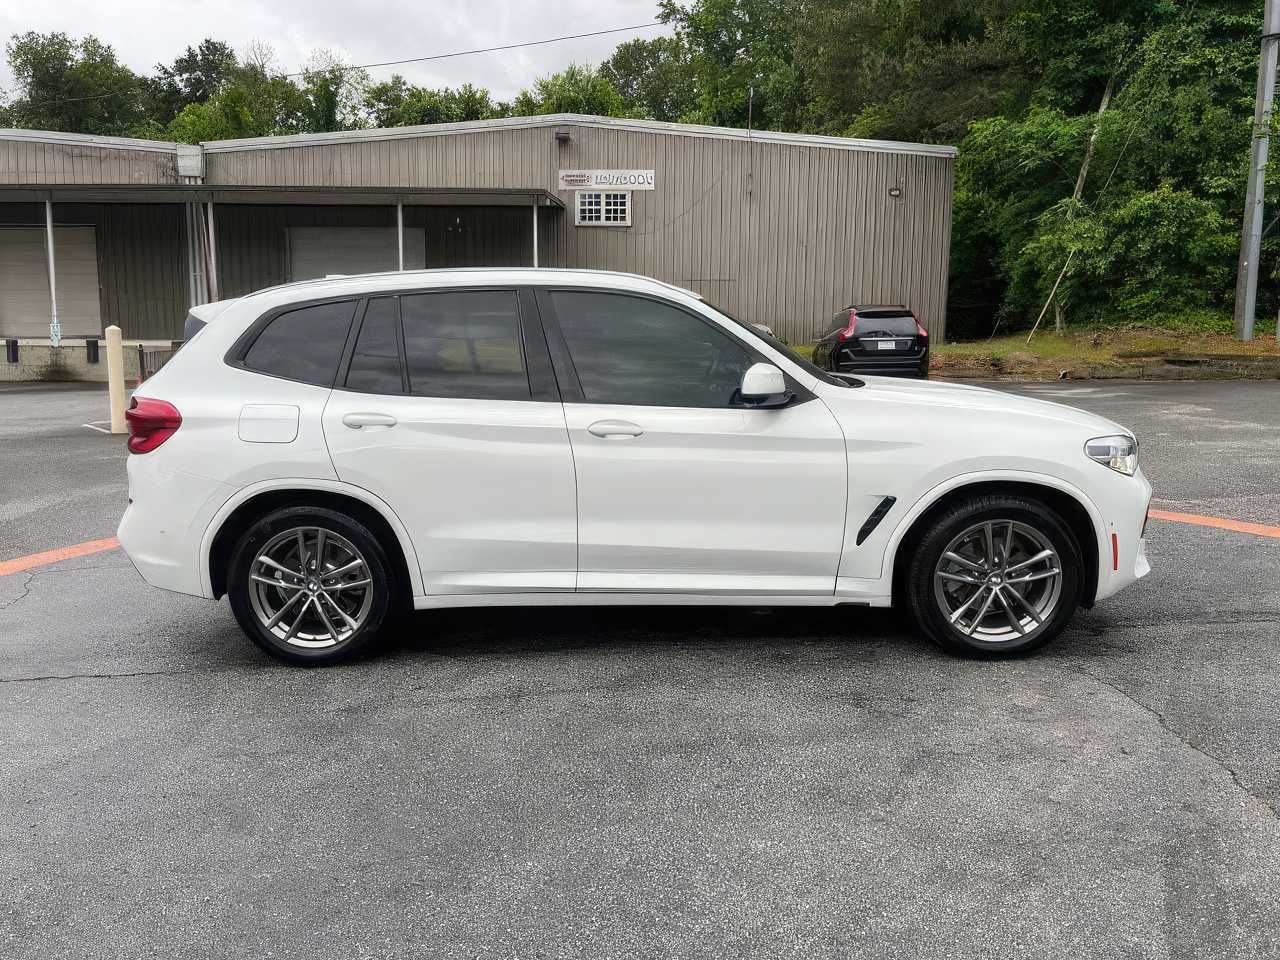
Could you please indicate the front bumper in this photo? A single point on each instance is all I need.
(1122, 557)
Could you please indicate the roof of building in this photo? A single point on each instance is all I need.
(500, 123)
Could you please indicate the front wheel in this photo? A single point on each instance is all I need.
(995, 575)
(310, 586)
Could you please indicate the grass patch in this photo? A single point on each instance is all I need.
(1087, 353)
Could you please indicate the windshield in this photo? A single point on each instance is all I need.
(807, 365)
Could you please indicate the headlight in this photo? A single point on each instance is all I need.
(1118, 453)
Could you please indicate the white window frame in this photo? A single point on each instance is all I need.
(598, 204)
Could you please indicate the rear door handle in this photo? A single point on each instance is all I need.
(357, 420)
(614, 429)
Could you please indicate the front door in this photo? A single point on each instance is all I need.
(448, 411)
(681, 489)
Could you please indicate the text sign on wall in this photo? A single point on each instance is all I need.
(622, 179)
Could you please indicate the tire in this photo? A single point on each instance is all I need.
(313, 615)
(1031, 600)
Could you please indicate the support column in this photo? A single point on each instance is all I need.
(55, 328)
(400, 233)
(535, 231)
(213, 253)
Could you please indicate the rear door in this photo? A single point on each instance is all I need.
(681, 489)
(448, 411)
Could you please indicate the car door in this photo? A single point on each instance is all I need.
(682, 489)
(447, 409)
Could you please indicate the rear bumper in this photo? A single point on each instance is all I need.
(164, 521)
(886, 366)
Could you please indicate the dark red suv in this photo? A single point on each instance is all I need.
(882, 340)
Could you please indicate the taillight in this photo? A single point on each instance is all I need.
(151, 423)
(852, 329)
(920, 330)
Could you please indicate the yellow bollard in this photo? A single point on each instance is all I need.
(115, 378)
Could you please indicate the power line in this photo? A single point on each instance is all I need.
(396, 63)
(506, 46)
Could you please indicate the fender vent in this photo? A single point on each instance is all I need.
(873, 521)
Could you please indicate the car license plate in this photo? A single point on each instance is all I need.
(887, 345)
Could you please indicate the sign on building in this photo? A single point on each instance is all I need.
(616, 179)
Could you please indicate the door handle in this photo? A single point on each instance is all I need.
(357, 420)
(614, 429)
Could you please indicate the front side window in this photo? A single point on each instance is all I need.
(464, 344)
(631, 350)
(304, 344)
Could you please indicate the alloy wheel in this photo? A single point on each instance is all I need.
(998, 581)
(310, 587)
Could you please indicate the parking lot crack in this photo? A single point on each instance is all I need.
(27, 577)
(95, 676)
(1196, 748)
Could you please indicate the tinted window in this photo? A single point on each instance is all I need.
(636, 351)
(464, 344)
(875, 323)
(304, 344)
(375, 363)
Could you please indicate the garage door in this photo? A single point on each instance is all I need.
(319, 251)
(24, 282)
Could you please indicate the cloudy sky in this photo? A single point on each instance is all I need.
(146, 32)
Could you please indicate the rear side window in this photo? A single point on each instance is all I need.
(304, 344)
(464, 344)
(375, 363)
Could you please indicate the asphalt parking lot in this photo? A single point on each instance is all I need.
(646, 783)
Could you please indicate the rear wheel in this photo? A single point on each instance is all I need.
(996, 575)
(310, 586)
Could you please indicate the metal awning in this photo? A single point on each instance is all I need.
(326, 196)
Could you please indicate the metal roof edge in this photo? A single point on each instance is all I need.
(576, 119)
(85, 139)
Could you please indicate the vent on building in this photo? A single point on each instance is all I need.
(603, 208)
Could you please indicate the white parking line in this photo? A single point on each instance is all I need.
(94, 426)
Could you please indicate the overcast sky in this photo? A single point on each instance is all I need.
(147, 32)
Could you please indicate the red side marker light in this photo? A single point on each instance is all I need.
(151, 423)
(1115, 552)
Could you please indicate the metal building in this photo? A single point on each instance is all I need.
(781, 229)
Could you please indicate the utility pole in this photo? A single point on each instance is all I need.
(1251, 233)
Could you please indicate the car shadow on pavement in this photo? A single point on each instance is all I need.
(517, 630)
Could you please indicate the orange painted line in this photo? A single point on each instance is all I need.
(31, 561)
(1239, 526)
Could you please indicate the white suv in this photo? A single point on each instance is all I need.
(331, 453)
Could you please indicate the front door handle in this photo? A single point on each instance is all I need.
(614, 429)
(357, 420)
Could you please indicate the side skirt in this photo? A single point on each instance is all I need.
(565, 599)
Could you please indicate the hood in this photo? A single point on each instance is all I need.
(961, 397)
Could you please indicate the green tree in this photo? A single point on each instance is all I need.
(257, 101)
(194, 77)
(396, 103)
(77, 86)
(577, 89)
(742, 62)
(654, 78)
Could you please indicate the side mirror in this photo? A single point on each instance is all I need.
(763, 385)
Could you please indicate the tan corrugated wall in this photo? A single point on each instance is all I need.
(34, 162)
(778, 233)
